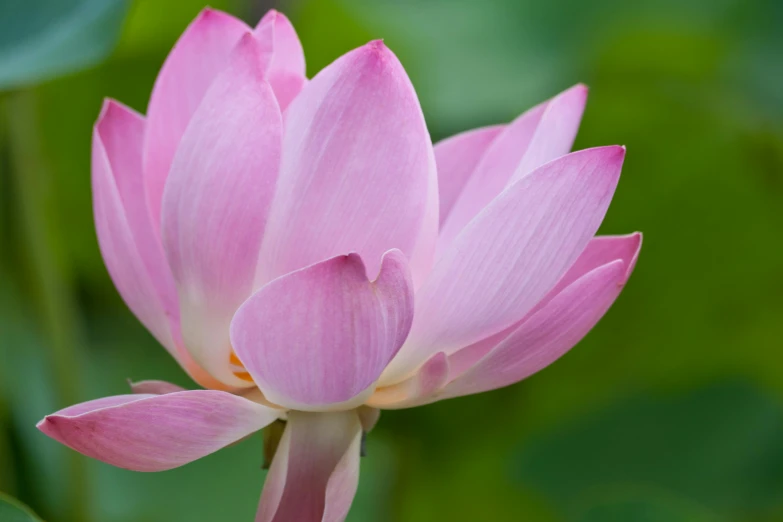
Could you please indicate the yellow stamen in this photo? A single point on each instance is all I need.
(244, 376)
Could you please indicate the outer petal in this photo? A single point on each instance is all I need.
(216, 204)
(200, 54)
(546, 335)
(315, 472)
(318, 338)
(507, 259)
(457, 158)
(130, 250)
(156, 432)
(286, 73)
(541, 134)
(600, 251)
(357, 171)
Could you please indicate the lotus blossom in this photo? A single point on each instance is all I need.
(306, 255)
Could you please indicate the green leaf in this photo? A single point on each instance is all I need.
(11, 510)
(643, 509)
(43, 39)
(718, 447)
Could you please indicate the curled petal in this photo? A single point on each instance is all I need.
(319, 338)
(507, 260)
(216, 204)
(156, 432)
(315, 472)
(357, 172)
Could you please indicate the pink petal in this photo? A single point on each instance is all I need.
(491, 174)
(132, 254)
(556, 132)
(417, 389)
(315, 472)
(156, 432)
(546, 335)
(216, 202)
(357, 171)
(318, 338)
(456, 158)
(600, 251)
(510, 256)
(200, 54)
(153, 387)
(286, 73)
(541, 134)
(130, 248)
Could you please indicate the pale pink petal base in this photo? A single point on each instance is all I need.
(425, 383)
(144, 432)
(315, 472)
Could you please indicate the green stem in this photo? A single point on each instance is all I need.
(52, 292)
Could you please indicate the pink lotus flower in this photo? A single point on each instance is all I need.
(277, 234)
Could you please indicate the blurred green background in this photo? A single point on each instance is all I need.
(671, 410)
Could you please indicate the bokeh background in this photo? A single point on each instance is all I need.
(671, 410)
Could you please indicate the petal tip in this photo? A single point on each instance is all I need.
(210, 17)
(210, 13)
(272, 16)
(110, 108)
(579, 90)
(248, 54)
(48, 425)
(613, 152)
(638, 238)
(375, 53)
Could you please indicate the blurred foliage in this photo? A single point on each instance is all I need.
(717, 447)
(644, 421)
(43, 39)
(14, 511)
